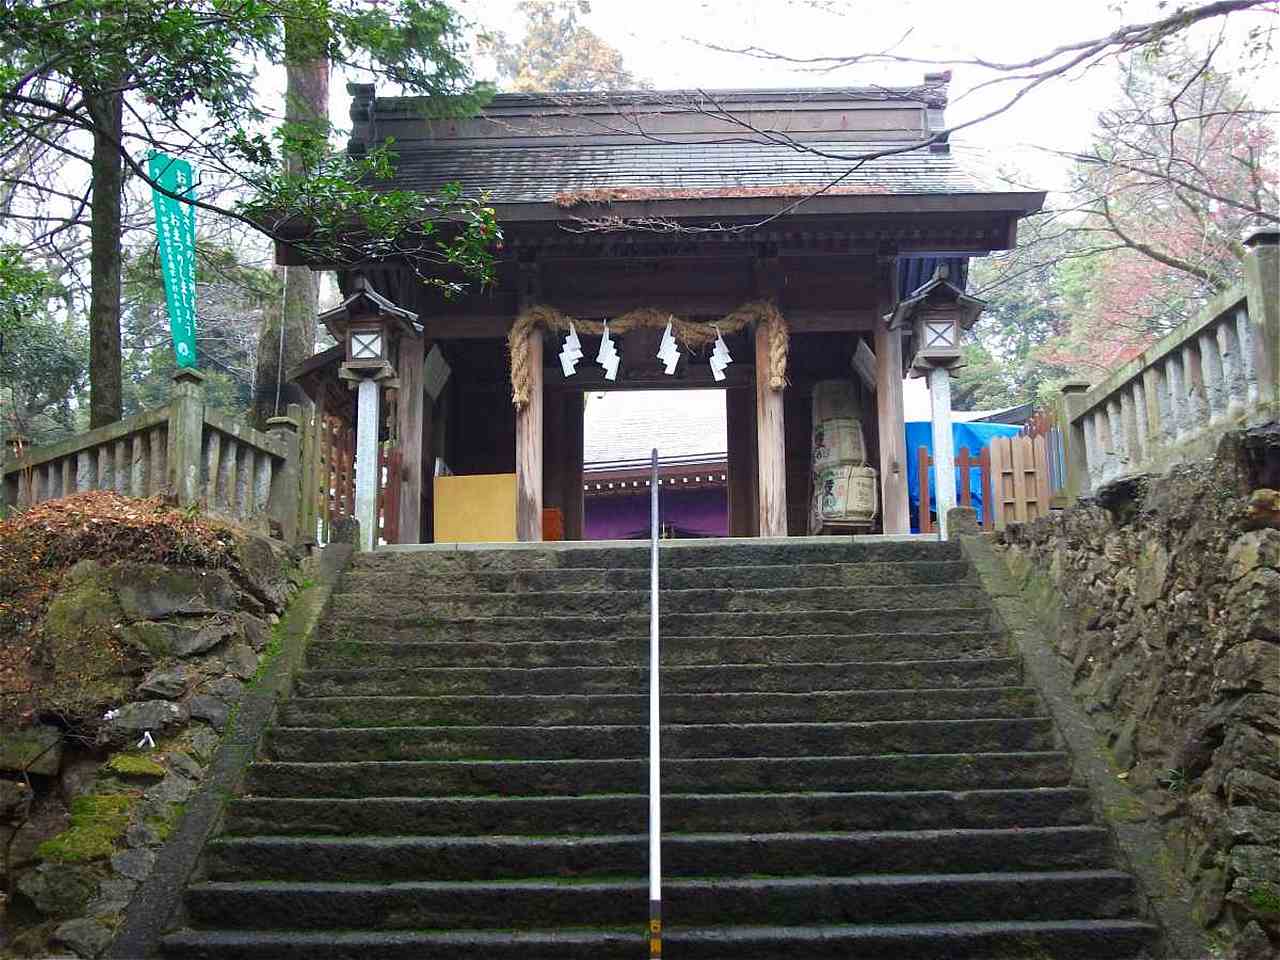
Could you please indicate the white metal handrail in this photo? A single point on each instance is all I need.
(655, 786)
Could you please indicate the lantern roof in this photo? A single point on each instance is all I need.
(937, 291)
(366, 303)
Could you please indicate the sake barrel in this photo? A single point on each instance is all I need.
(838, 442)
(845, 495)
(837, 425)
(835, 399)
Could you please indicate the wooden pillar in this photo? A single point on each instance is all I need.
(944, 454)
(894, 507)
(368, 421)
(529, 450)
(574, 411)
(409, 409)
(430, 423)
(770, 444)
(740, 424)
(553, 452)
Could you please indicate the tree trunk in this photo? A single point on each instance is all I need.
(306, 101)
(105, 390)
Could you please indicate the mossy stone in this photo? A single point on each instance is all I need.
(152, 591)
(34, 749)
(135, 765)
(97, 822)
(57, 890)
(87, 666)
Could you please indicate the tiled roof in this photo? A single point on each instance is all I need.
(536, 173)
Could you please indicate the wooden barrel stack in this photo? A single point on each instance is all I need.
(844, 487)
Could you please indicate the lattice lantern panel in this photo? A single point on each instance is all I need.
(366, 344)
(937, 337)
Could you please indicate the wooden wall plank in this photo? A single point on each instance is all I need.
(1040, 468)
(988, 498)
(1018, 455)
(924, 461)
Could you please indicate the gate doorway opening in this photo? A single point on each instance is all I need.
(688, 428)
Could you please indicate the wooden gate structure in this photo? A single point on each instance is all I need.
(478, 380)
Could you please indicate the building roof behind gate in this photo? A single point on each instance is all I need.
(690, 153)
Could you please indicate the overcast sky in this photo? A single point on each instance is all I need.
(663, 42)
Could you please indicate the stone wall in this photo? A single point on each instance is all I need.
(1164, 595)
(140, 667)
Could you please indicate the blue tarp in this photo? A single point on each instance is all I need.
(975, 436)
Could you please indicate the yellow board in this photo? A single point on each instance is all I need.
(476, 509)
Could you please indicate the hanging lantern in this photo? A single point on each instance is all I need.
(934, 316)
(370, 325)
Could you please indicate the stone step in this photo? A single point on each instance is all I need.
(1056, 939)
(794, 648)
(590, 579)
(902, 898)
(962, 771)
(672, 556)
(678, 740)
(496, 858)
(568, 709)
(681, 813)
(723, 678)
(412, 606)
(339, 626)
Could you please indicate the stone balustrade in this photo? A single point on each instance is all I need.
(1169, 405)
(184, 452)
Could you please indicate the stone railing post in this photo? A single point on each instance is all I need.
(283, 499)
(11, 487)
(1262, 288)
(186, 436)
(1076, 457)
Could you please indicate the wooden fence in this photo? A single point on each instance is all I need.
(327, 477)
(1012, 482)
(389, 468)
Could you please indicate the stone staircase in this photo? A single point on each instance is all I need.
(852, 768)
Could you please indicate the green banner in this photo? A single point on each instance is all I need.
(176, 236)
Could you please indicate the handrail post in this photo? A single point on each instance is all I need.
(186, 436)
(1076, 481)
(283, 498)
(655, 784)
(1262, 285)
(11, 486)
